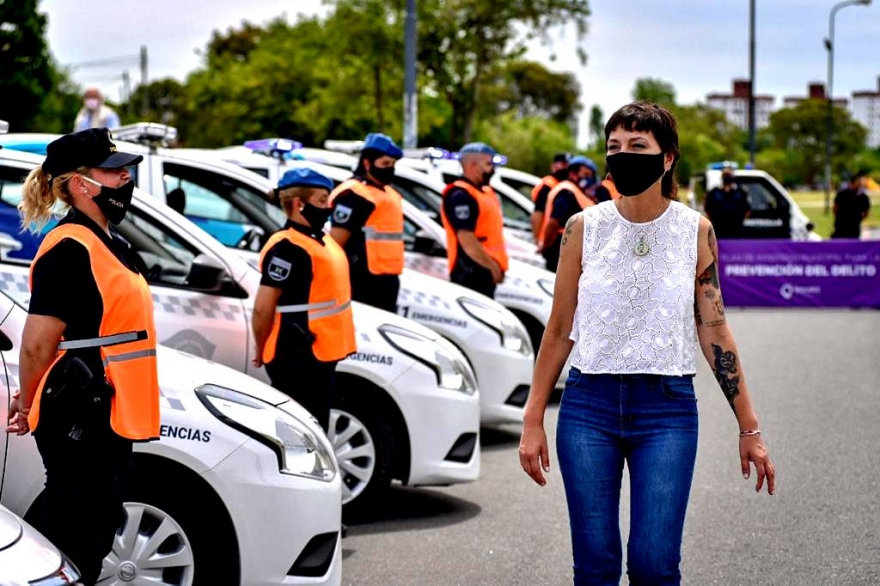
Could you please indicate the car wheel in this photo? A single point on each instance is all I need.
(364, 448)
(151, 547)
(173, 532)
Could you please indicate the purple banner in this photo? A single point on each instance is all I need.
(785, 273)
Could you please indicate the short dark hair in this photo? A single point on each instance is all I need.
(649, 117)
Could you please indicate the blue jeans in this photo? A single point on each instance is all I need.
(649, 422)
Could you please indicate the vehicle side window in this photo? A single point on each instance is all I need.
(512, 211)
(520, 186)
(168, 258)
(415, 194)
(16, 246)
(761, 198)
(409, 234)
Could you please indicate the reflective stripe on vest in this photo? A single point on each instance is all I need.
(129, 366)
(583, 200)
(110, 340)
(490, 224)
(329, 307)
(383, 231)
(548, 181)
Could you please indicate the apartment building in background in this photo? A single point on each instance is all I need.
(736, 105)
(866, 111)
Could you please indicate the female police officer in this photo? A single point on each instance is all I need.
(302, 318)
(89, 385)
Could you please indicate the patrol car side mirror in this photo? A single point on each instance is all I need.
(7, 242)
(5, 342)
(427, 245)
(206, 274)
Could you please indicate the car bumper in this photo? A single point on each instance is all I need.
(281, 521)
(443, 427)
(504, 378)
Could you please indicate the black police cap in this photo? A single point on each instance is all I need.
(87, 148)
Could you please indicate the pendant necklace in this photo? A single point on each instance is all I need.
(642, 247)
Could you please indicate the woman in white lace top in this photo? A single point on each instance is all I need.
(636, 292)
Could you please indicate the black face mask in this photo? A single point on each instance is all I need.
(727, 179)
(487, 176)
(634, 173)
(114, 201)
(315, 216)
(384, 175)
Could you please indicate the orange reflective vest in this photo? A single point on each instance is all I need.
(582, 198)
(129, 367)
(383, 231)
(490, 225)
(609, 185)
(549, 181)
(329, 306)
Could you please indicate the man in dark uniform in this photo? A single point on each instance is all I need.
(558, 173)
(474, 223)
(851, 206)
(367, 221)
(728, 206)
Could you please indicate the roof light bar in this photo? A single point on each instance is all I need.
(146, 132)
(276, 145)
(351, 147)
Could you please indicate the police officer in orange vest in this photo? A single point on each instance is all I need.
(565, 200)
(558, 172)
(367, 222)
(474, 223)
(89, 384)
(606, 190)
(302, 319)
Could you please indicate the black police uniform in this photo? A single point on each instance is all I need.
(85, 478)
(295, 370)
(850, 206)
(565, 205)
(462, 212)
(351, 211)
(727, 210)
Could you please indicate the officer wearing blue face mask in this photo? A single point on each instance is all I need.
(302, 321)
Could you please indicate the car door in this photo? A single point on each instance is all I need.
(8, 378)
(771, 213)
(209, 323)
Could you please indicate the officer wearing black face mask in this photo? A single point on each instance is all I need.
(367, 221)
(89, 383)
(728, 206)
(302, 319)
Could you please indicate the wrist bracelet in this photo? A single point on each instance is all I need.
(747, 432)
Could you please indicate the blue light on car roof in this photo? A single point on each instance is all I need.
(283, 145)
(496, 160)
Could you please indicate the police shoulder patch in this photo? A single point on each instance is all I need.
(342, 214)
(462, 212)
(278, 269)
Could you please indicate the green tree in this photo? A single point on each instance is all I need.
(528, 142)
(27, 74)
(798, 137)
(166, 99)
(705, 136)
(528, 89)
(461, 40)
(654, 90)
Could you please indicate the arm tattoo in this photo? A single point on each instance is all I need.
(709, 277)
(713, 244)
(697, 316)
(569, 227)
(724, 366)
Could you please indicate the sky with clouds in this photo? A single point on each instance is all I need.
(697, 45)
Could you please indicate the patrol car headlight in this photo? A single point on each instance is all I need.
(547, 285)
(299, 449)
(513, 336)
(451, 367)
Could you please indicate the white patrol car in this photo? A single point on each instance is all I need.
(406, 405)
(232, 450)
(527, 291)
(228, 203)
(774, 213)
(26, 557)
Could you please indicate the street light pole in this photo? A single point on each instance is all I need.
(752, 82)
(829, 130)
(410, 95)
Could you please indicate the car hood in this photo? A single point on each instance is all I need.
(180, 372)
(24, 553)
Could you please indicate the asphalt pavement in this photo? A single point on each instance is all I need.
(815, 379)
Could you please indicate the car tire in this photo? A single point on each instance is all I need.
(364, 447)
(180, 518)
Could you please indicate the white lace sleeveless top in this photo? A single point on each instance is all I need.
(635, 314)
